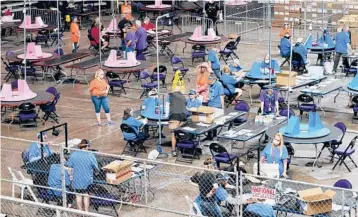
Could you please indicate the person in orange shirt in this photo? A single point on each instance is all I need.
(202, 81)
(99, 90)
(285, 30)
(75, 34)
(126, 10)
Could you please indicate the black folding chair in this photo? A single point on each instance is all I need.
(115, 81)
(12, 70)
(344, 153)
(297, 63)
(135, 145)
(230, 49)
(187, 145)
(228, 98)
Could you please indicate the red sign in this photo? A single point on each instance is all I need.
(261, 192)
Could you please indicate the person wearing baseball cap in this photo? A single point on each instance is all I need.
(193, 101)
(216, 93)
(81, 165)
(34, 150)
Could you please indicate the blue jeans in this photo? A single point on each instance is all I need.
(99, 101)
(210, 209)
(75, 47)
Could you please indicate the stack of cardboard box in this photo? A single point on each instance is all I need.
(118, 171)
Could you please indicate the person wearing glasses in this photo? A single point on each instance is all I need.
(81, 166)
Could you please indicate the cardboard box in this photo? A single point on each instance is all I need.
(285, 78)
(314, 201)
(120, 179)
(203, 114)
(118, 171)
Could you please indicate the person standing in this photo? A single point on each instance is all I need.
(126, 10)
(342, 47)
(212, 11)
(177, 113)
(141, 35)
(99, 91)
(81, 167)
(75, 34)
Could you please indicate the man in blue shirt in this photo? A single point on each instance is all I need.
(214, 62)
(285, 46)
(216, 93)
(34, 151)
(55, 181)
(193, 101)
(141, 35)
(235, 68)
(81, 167)
(342, 47)
(300, 49)
(151, 105)
(231, 83)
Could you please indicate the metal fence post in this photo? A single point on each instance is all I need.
(343, 204)
(63, 175)
(239, 175)
(224, 18)
(145, 186)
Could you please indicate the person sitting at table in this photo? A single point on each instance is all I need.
(150, 105)
(177, 113)
(123, 25)
(231, 83)
(214, 62)
(137, 125)
(130, 41)
(235, 67)
(265, 65)
(285, 46)
(126, 10)
(96, 35)
(202, 81)
(269, 102)
(6, 11)
(276, 153)
(34, 150)
(216, 93)
(81, 165)
(141, 35)
(300, 49)
(55, 181)
(147, 25)
(193, 101)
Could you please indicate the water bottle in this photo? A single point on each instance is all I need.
(156, 110)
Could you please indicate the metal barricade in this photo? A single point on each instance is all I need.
(188, 23)
(48, 16)
(250, 32)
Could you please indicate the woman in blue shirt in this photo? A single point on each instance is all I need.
(151, 105)
(134, 123)
(265, 65)
(231, 83)
(34, 151)
(276, 153)
(81, 168)
(55, 181)
(214, 62)
(235, 68)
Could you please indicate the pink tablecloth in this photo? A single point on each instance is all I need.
(160, 6)
(34, 57)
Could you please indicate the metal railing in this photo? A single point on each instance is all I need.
(188, 23)
(48, 16)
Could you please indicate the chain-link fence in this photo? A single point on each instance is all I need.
(113, 185)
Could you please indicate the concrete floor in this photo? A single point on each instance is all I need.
(76, 108)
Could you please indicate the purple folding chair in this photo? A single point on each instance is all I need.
(178, 64)
(198, 52)
(10, 53)
(162, 75)
(59, 51)
(27, 114)
(103, 198)
(50, 109)
(350, 70)
(220, 154)
(14, 85)
(52, 90)
(344, 152)
(241, 106)
(146, 85)
(306, 104)
(334, 144)
(343, 183)
(285, 112)
(187, 146)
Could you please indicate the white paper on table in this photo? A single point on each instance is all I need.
(230, 132)
(146, 166)
(270, 202)
(202, 117)
(203, 124)
(189, 129)
(137, 169)
(337, 207)
(249, 134)
(242, 132)
(233, 113)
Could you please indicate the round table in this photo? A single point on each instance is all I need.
(35, 58)
(156, 9)
(334, 134)
(186, 40)
(41, 98)
(349, 91)
(124, 70)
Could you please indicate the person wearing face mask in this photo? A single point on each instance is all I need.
(202, 81)
(212, 11)
(99, 90)
(285, 46)
(265, 65)
(137, 125)
(276, 153)
(147, 25)
(300, 49)
(34, 150)
(214, 62)
(151, 105)
(269, 102)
